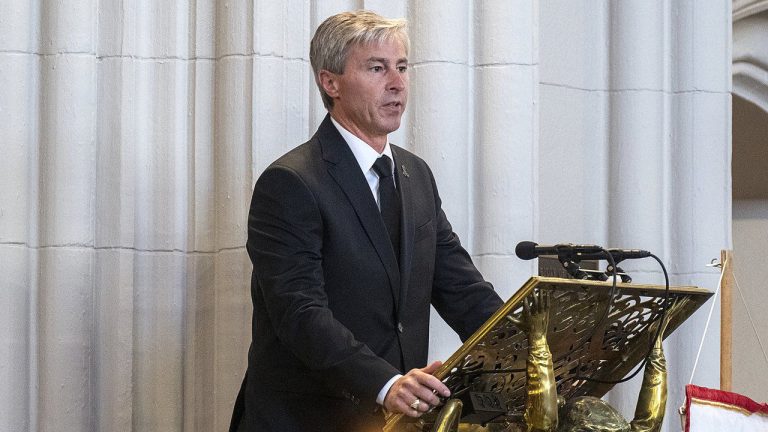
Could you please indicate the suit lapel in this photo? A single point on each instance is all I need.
(407, 227)
(343, 168)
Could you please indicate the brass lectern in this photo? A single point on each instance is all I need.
(596, 335)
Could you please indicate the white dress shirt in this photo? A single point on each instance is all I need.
(366, 156)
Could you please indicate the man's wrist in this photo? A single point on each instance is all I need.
(384, 390)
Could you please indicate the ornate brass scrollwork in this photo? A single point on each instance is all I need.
(581, 344)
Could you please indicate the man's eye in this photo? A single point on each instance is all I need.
(402, 69)
(377, 68)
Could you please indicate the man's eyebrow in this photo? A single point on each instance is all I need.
(385, 61)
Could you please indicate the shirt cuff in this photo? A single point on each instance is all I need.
(384, 390)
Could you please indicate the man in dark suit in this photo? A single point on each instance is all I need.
(349, 250)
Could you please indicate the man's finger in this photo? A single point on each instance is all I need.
(431, 368)
(431, 384)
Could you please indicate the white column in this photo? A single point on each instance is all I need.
(638, 114)
(441, 131)
(134, 132)
(573, 149)
(233, 168)
(19, 99)
(17, 349)
(635, 142)
(283, 81)
(504, 198)
(152, 56)
(63, 313)
(115, 204)
(700, 189)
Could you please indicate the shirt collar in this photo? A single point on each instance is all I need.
(364, 154)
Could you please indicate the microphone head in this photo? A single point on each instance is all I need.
(526, 250)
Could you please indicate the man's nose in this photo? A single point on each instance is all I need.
(397, 80)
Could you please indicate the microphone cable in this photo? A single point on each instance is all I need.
(612, 294)
(662, 316)
(611, 297)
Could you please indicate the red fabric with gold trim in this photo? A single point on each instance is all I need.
(717, 410)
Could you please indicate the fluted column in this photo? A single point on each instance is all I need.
(234, 114)
(19, 81)
(573, 180)
(284, 81)
(115, 204)
(440, 131)
(63, 313)
(635, 146)
(638, 115)
(700, 181)
(133, 133)
(144, 127)
(505, 139)
(680, 183)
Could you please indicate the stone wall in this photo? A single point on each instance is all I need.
(133, 132)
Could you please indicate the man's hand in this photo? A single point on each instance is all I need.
(417, 384)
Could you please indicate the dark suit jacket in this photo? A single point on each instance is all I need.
(335, 317)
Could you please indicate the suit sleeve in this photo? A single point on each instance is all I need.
(459, 294)
(285, 239)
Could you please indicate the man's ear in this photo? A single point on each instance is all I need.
(329, 83)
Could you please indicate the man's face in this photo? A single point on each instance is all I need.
(370, 96)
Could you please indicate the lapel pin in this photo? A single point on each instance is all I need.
(405, 171)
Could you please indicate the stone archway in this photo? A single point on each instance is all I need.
(750, 51)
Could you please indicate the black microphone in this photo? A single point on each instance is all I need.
(617, 254)
(528, 250)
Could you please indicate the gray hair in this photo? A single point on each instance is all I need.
(336, 35)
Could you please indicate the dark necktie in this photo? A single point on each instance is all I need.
(389, 201)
